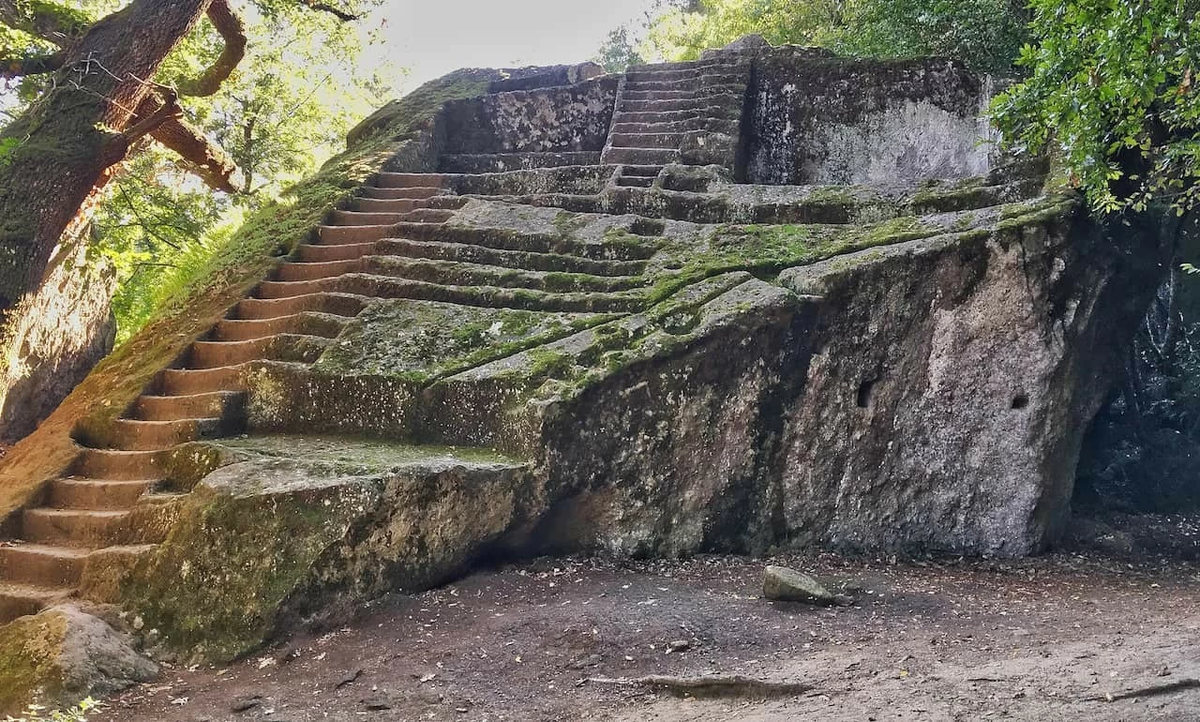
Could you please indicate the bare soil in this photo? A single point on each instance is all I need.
(1069, 636)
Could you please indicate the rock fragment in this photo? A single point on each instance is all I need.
(781, 584)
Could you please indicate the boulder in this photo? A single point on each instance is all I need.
(63, 655)
(781, 584)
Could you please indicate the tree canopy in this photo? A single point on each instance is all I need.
(1111, 88)
(258, 112)
(984, 33)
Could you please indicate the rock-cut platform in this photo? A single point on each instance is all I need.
(768, 299)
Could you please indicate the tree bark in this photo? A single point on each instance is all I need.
(56, 157)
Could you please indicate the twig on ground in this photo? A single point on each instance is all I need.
(712, 686)
(1154, 690)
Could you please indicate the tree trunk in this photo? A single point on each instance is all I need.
(53, 161)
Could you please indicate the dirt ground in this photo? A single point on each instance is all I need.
(1069, 636)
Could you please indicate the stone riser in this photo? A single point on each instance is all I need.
(41, 565)
(76, 493)
(526, 260)
(335, 304)
(310, 323)
(410, 193)
(487, 296)
(190, 382)
(138, 435)
(281, 347)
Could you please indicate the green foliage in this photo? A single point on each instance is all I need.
(682, 33)
(618, 52)
(1112, 90)
(285, 109)
(986, 34)
(78, 713)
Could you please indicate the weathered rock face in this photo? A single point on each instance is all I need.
(644, 358)
(829, 120)
(285, 538)
(568, 118)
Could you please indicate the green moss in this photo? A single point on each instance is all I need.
(29, 649)
(222, 604)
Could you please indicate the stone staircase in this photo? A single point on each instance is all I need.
(116, 500)
(677, 113)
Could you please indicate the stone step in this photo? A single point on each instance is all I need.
(685, 66)
(507, 162)
(308, 323)
(110, 465)
(644, 171)
(336, 304)
(718, 108)
(19, 600)
(192, 382)
(646, 140)
(42, 565)
(712, 125)
(641, 156)
(413, 180)
(307, 271)
(532, 261)
(677, 94)
(685, 80)
(488, 296)
(309, 253)
(78, 493)
(360, 218)
(386, 205)
(280, 347)
(458, 273)
(634, 181)
(404, 193)
(667, 116)
(338, 235)
(506, 239)
(215, 404)
(75, 527)
(138, 435)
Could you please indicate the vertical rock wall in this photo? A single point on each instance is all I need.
(840, 121)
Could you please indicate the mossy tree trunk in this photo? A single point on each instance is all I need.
(53, 161)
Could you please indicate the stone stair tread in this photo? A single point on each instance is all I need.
(346, 305)
(413, 180)
(444, 271)
(74, 492)
(365, 218)
(490, 296)
(400, 193)
(314, 253)
(312, 323)
(52, 550)
(76, 513)
(527, 260)
(46, 595)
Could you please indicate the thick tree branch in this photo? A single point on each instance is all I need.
(35, 65)
(59, 25)
(331, 9)
(200, 156)
(231, 29)
(203, 158)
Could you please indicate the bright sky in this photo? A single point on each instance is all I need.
(433, 37)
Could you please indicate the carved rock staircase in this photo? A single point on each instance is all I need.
(677, 113)
(393, 244)
(116, 501)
